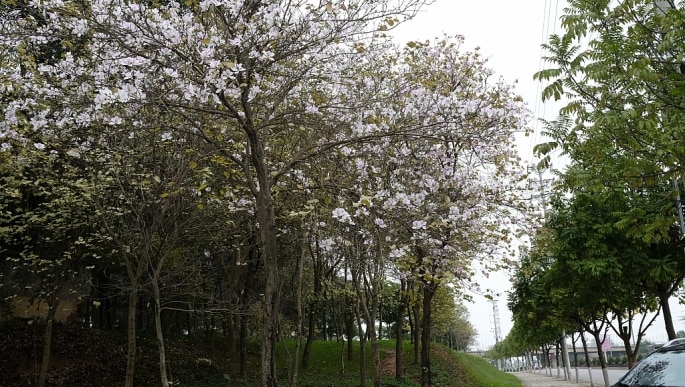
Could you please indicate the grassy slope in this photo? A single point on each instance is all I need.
(328, 368)
(90, 358)
(484, 374)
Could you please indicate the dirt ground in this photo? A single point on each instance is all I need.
(388, 364)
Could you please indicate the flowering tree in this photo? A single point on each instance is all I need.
(273, 85)
(443, 194)
(247, 75)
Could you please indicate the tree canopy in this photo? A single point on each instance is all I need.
(251, 146)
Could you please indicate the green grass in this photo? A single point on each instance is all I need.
(93, 358)
(483, 374)
(329, 367)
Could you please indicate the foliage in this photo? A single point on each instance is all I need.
(215, 142)
(612, 246)
(624, 93)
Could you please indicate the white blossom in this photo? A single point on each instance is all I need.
(418, 225)
(342, 216)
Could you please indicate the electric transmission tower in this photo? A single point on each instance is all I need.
(495, 317)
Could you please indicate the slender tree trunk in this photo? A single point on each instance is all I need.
(131, 334)
(668, 317)
(311, 315)
(266, 219)
(380, 321)
(548, 362)
(631, 354)
(356, 274)
(243, 346)
(398, 346)
(349, 317)
(416, 332)
(587, 357)
(112, 312)
(399, 327)
(299, 322)
(429, 289)
(411, 323)
(47, 342)
(267, 228)
(362, 354)
(556, 349)
(232, 337)
(349, 327)
(575, 356)
(370, 317)
(158, 331)
(602, 359)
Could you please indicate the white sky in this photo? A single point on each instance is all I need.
(509, 33)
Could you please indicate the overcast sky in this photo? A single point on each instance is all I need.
(509, 33)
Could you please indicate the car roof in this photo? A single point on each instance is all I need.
(674, 344)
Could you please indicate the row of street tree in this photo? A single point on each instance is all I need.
(186, 167)
(609, 255)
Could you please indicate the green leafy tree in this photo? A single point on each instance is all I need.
(49, 241)
(620, 127)
(619, 67)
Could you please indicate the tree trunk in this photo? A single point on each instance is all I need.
(380, 321)
(158, 331)
(131, 334)
(231, 327)
(556, 357)
(362, 353)
(349, 327)
(416, 332)
(299, 322)
(575, 356)
(529, 361)
(112, 312)
(587, 357)
(398, 345)
(600, 354)
(411, 324)
(548, 362)
(242, 346)
(399, 327)
(47, 343)
(429, 289)
(356, 281)
(370, 317)
(631, 353)
(267, 229)
(266, 219)
(668, 317)
(311, 315)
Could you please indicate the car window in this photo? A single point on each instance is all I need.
(659, 369)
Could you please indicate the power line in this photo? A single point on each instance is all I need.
(549, 25)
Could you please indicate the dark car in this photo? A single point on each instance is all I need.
(663, 367)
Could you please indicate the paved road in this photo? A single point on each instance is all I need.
(540, 379)
(530, 379)
(614, 374)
